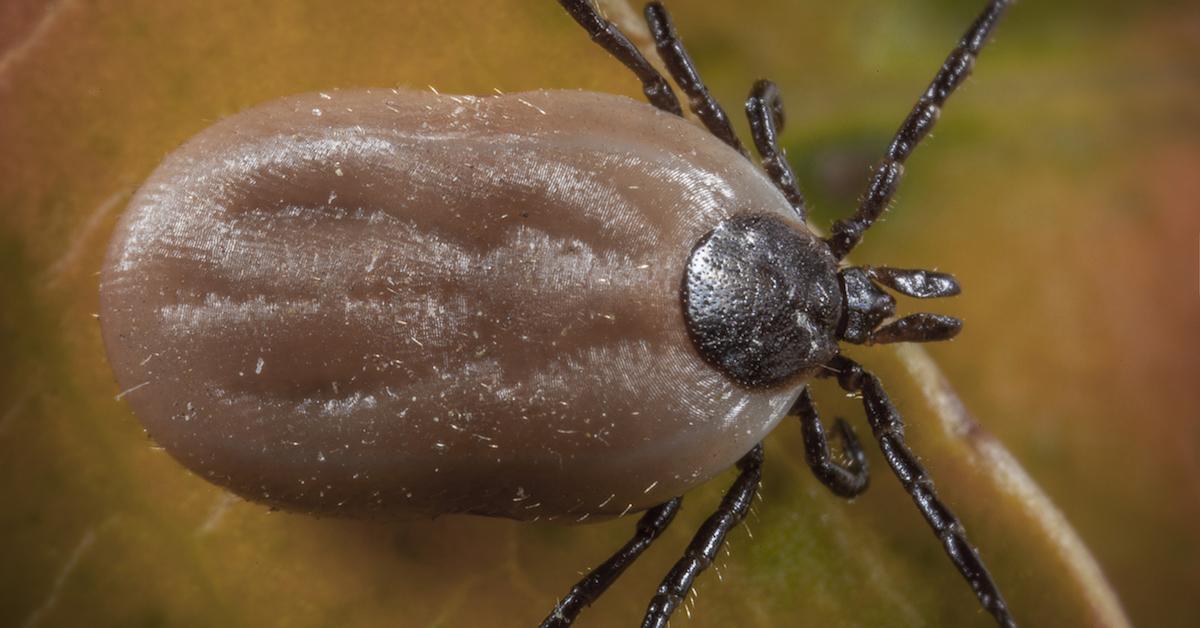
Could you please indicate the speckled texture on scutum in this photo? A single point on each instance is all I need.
(388, 302)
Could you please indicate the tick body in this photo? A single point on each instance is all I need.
(549, 305)
(396, 302)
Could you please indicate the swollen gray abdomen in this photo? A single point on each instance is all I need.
(389, 302)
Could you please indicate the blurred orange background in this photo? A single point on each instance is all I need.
(1061, 187)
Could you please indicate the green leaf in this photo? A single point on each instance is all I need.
(1024, 194)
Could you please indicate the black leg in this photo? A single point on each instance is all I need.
(597, 582)
(707, 542)
(764, 108)
(844, 480)
(888, 428)
(683, 70)
(605, 33)
(847, 233)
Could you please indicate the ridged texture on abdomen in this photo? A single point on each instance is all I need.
(388, 302)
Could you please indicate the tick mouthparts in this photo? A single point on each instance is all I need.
(919, 327)
(915, 282)
(867, 306)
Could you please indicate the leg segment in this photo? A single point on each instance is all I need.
(844, 480)
(707, 542)
(605, 33)
(889, 432)
(764, 108)
(593, 585)
(683, 70)
(847, 233)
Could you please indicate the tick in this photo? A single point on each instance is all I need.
(553, 305)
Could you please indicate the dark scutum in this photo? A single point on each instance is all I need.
(761, 300)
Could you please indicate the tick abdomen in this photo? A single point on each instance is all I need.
(390, 302)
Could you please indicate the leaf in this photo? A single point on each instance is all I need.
(102, 528)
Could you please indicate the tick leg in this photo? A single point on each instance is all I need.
(605, 33)
(707, 542)
(764, 108)
(844, 480)
(888, 428)
(594, 584)
(847, 233)
(683, 70)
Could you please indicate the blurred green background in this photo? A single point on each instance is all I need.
(1061, 187)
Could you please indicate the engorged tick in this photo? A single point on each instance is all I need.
(550, 305)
